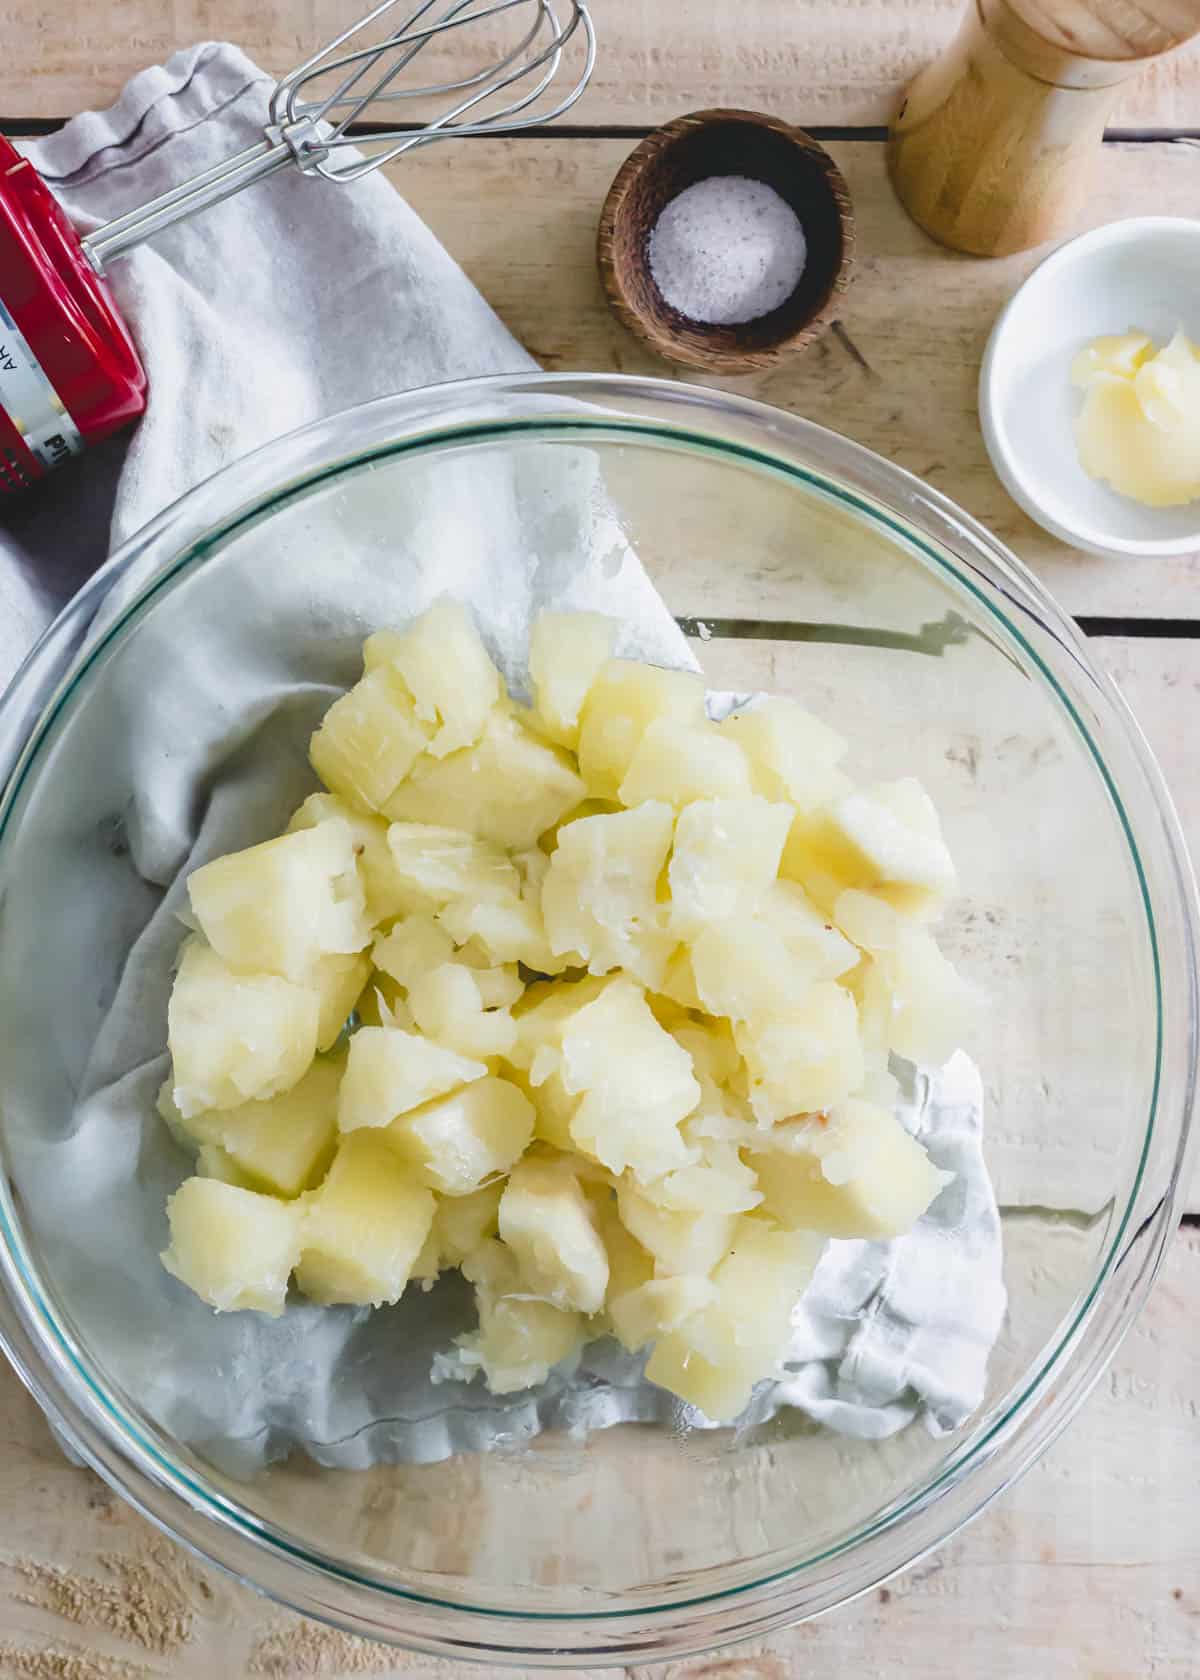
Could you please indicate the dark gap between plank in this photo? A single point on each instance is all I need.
(33, 128)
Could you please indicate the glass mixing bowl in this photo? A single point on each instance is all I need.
(797, 562)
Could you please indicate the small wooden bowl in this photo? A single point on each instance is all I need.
(726, 143)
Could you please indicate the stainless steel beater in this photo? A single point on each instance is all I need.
(315, 105)
(69, 371)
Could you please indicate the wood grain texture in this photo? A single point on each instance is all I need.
(898, 372)
(1086, 1570)
(810, 61)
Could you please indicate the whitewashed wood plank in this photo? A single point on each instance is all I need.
(806, 60)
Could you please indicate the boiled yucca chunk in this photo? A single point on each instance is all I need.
(807, 1059)
(792, 754)
(508, 930)
(500, 985)
(885, 839)
(719, 1182)
(508, 788)
(339, 982)
(629, 1264)
(411, 948)
(657, 1308)
(546, 1222)
(369, 740)
(456, 1142)
(599, 897)
(542, 1015)
(566, 650)
(447, 1006)
(279, 907)
(853, 1172)
(714, 1359)
(232, 1247)
(554, 1109)
(437, 865)
(235, 1037)
(932, 1006)
(281, 1145)
(461, 1223)
(681, 760)
(385, 893)
(625, 698)
(519, 1341)
(446, 668)
(635, 1081)
(680, 1244)
(726, 855)
(746, 971)
(364, 1228)
(389, 1071)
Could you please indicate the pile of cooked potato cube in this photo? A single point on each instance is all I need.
(593, 1001)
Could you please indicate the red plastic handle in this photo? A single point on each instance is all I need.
(69, 371)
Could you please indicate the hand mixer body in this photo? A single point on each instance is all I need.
(69, 371)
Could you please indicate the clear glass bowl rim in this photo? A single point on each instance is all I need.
(221, 1532)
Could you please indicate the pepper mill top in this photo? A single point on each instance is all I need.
(992, 148)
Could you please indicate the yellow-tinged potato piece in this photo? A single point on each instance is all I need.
(369, 740)
(635, 1081)
(599, 897)
(678, 983)
(389, 1072)
(438, 865)
(232, 1247)
(412, 948)
(339, 982)
(710, 1044)
(546, 1222)
(680, 1244)
(384, 891)
(625, 698)
(566, 650)
(681, 760)
(278, 907)
(854, 1172)
(456, 1142)
(885, 839)
(808, 1059)
(283, 1144)
(383, 1005)
(868, 920)
(714, 1359)
(932, 1006)
(657, 1308)
(446, 668)
(213, 1162)
(364, 1229)
(508, 788)
(726, 855)
(447, 1007)
(235, 1037)
(554, 1108)
(792, 754)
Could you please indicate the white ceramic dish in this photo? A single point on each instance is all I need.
(1143, 273)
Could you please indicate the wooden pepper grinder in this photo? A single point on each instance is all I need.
(993, 146)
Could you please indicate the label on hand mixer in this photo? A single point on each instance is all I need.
(31, 402)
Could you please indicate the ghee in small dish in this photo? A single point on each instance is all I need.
(1139, 427)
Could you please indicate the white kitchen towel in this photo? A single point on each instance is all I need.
(272, 310)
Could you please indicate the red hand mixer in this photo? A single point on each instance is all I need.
(69, 369)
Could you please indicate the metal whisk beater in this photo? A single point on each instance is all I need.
(69, 371)
(315, 105)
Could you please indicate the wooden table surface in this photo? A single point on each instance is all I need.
(1090, 1568)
